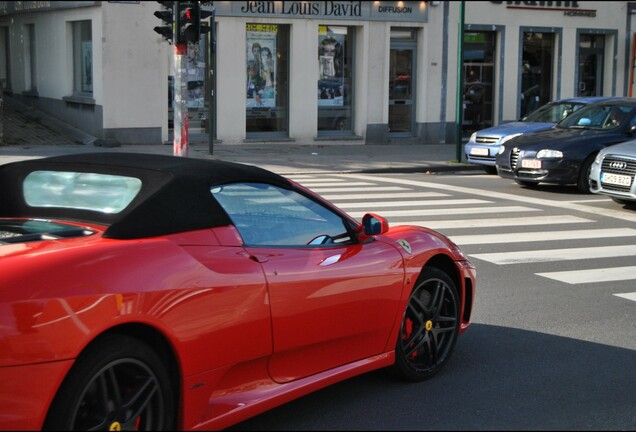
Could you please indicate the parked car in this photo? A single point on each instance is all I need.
(563, 155)
(154, 292)
(613, 172)
(482, 146)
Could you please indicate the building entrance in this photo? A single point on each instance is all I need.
(591, 48)
(536, 71)
(401, 83)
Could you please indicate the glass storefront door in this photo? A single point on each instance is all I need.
(479, 54)
(536, 71)
(591, 48)
(401, 83)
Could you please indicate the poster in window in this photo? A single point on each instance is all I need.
(87, 66)
(331, 67)
(195, 75)
(261, 65)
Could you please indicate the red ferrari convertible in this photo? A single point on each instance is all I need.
(151, 292)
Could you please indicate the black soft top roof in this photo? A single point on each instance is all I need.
(175, 194)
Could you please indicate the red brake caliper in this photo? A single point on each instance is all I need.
(406, 334)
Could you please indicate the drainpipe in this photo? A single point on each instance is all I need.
(459, 112)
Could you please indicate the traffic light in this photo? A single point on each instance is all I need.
(188, 22)
(203, 15)
(167, 16)
(205, 27)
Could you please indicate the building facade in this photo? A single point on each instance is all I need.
(373, 72)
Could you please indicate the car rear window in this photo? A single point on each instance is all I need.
(102, 193)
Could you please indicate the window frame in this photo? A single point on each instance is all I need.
(310, 207)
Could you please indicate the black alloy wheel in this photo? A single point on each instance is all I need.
(119, 383)
(429, 327)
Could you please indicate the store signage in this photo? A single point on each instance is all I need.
(13, 7)
(569, 8)
(350, 10)
(327, 8)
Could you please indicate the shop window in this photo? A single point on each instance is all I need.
(266, 98)
(335, 46)
(82, 58)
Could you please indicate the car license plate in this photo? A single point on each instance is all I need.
(479, 151)
(616, 179)
(530, 163)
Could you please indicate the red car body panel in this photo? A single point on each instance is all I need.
(352, 318)
(248, 328)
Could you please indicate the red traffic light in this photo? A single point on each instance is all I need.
(188, 25)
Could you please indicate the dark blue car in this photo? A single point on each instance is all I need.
(481, 148)
(564, 154)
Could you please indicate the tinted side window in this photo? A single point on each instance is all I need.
(272, 216)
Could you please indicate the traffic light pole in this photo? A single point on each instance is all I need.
(182, 21)
(180, 108)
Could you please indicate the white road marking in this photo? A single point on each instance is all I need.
(336, 197)
(616, 214)
(593, 275)
(629, 296)
(359, 189)
(497, 222)
(548, 255)
(543, 236)
(422, 203)
(443, 211)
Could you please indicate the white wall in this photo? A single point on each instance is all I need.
(135, 63)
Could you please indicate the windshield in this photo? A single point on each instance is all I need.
(553, 112)
(597, 117)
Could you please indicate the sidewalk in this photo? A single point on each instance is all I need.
(29, 133)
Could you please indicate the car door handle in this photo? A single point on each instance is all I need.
(257, 258)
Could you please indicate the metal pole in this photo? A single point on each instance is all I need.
(459, 114)
(180, 94)
(211, 116)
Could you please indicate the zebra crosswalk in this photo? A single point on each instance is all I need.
(437, 207)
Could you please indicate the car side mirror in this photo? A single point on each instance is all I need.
(585, 122)
(374, 224)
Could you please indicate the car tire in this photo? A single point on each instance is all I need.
(623, 201)
(429, 328)
(583, 183)
(490, 169)
(130, 379)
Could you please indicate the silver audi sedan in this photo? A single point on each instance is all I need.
(613, 173)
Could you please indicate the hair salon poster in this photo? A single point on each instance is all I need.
(330, 67)
(261, 65)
